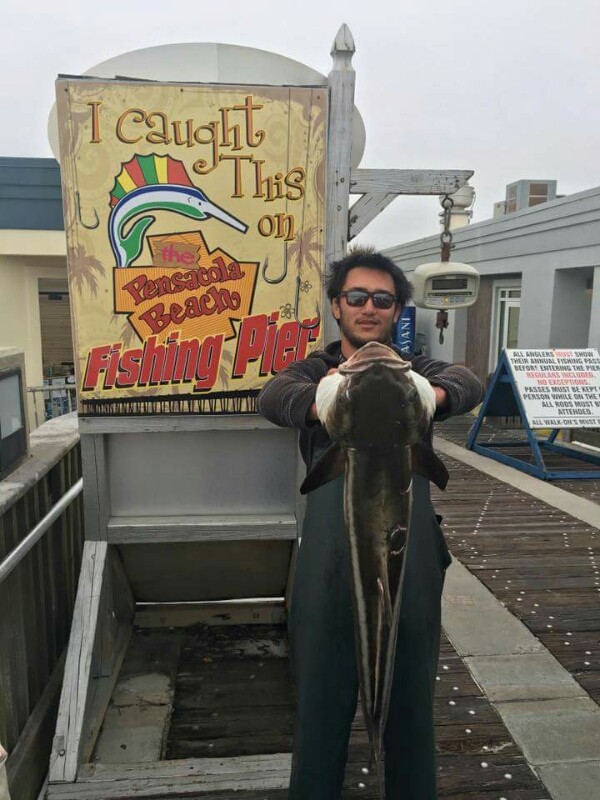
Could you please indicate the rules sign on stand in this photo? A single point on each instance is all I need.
(558, 388)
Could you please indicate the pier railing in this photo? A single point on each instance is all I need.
(49, 402)
(41, 539)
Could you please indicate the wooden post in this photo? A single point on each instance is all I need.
(379, 187)
(102, 625)
(341, 81)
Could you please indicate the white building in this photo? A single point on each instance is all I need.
(34, 294)
(540, 278)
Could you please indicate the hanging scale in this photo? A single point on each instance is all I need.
(445, 284)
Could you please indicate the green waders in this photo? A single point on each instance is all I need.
(323, 655)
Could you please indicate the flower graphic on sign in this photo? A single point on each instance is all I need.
(154, 183)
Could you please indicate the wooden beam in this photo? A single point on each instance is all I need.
(64, 759)
(174, 422)
(101, 692)
(408, 181)
(181, 615)
(96, 500)
(201, 528)
(181, 767)
(365, 210)
(341, 82)
(115, 627)
(177, 778)
(102, 625)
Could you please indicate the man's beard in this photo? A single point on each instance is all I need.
(355, 341)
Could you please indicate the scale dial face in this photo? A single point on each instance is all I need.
(445, 285)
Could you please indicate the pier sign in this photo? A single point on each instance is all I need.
(194, 216)
(558, 388)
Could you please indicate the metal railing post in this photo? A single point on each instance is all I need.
(16, 555)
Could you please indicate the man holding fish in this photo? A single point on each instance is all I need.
(365, 608)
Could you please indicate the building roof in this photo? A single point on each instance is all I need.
(561, 233)
(30, 194)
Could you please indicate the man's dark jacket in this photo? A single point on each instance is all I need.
(287, 398)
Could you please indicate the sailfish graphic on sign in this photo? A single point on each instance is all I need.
(154, 183)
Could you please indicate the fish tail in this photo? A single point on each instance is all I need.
(378, 764)
(133, 243)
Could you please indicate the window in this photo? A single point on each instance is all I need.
(511, 199)
(505, 318)
(538, 193)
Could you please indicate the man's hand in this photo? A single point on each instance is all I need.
(312, 415)
(441, 397)
(441, 400)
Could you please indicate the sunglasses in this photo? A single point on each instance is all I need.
(357, 298)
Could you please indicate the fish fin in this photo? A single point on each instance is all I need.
(426, 463)
(328, 467)
(386, 601)
(133, 242)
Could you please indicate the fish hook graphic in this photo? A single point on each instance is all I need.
(283, 273)
(306, 326)
(79, 217)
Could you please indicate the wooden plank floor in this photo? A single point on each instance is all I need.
(234, 698)
(456, 430)
(230, 703)
(541, 563)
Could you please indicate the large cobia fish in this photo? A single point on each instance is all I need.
(154, 183)
(376, 410)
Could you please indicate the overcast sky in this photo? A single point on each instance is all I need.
(509, 89)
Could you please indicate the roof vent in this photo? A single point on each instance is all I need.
(526, 193)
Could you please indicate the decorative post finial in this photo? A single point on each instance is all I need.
(340, 81)
(343, 48)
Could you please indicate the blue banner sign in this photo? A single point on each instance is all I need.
(404, 334)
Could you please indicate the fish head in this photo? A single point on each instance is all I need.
(375, 400)
(203, 207)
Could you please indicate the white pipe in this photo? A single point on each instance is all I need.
(15, 556)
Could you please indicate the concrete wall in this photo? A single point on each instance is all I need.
(571, 308)
(537, 290)
(19, 277)
(455, 336)
(594, 337)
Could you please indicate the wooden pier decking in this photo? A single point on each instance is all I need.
(206, 712)
(232, 721)
(456, 430)
(542, 563)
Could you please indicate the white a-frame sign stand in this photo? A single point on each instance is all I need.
(550, 390)
(167, 541)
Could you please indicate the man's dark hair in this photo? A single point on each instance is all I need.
(371, 259)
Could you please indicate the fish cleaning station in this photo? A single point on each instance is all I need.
(209, 189)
